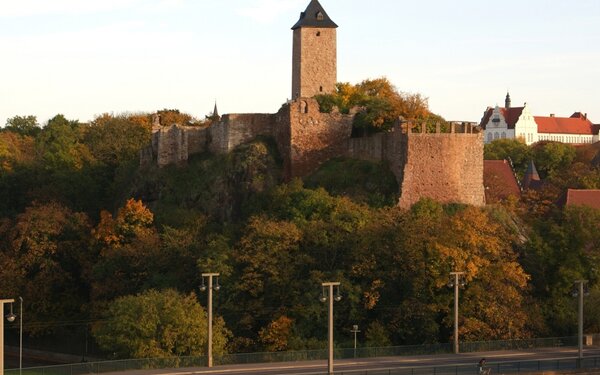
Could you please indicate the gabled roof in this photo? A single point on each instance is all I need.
(314, 16)
(511, 115)
(576, 124)
(577, 197)
(499, 181)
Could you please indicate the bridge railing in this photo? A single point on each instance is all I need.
(306, 355)
(509, 367)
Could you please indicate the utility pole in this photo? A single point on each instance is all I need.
(455, 283)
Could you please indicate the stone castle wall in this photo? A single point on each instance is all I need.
(447, 167)
(315, 137)
(235, 129)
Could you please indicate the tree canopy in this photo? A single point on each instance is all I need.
(378, 102)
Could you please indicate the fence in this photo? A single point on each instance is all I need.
(307, 355)
(517, 367)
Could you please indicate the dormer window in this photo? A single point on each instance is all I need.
(320, 16)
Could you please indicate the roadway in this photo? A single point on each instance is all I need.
(347, 365)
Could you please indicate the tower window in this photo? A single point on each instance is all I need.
(318, 33)
(321, 88)
(320, 16)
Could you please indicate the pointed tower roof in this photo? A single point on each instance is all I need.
(314, 16)
(215, 111)
(531, 180)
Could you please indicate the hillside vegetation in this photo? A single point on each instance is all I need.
(86, 235)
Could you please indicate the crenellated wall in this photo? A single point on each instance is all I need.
(315, 137)
(447, 167)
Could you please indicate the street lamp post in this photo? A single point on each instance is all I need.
(455, 282)
(210, 288)
(355, 330)
(11, 318)
(20, 335)
(337, 298)
(579, 292)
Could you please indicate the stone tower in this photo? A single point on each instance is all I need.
(507, 101)
(314, 60)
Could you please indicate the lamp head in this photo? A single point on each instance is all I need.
(203, 288)
(11, 317)
(323, 298)
(337, 298)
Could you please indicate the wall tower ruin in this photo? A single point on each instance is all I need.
(314, 59)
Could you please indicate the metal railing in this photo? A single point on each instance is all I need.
(308, 355)
(519, 367)
(516, 367)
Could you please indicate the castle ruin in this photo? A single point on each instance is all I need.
(447, 167)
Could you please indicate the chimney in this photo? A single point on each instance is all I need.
(552, 115)
(585, 116)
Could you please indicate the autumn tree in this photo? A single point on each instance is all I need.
(170, 117)
(158, 324)
(117, 139)
(129, 252)
(380, 104)
(42, 255)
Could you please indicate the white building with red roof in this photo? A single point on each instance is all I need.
(518, 122)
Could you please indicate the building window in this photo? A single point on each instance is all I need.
(490, 137)
(496, 135)
(318, 33)
(320, 16)
(503, 135)
(321, 88)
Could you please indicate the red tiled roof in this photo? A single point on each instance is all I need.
(576, 124)
(590, 198)
(499, 181)
(511, 115)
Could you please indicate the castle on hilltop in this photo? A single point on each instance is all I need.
(447, 167)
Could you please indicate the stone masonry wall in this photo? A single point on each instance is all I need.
(315, 137)
(236, 129)
(172, 145)
(314, 61)
(446, 167)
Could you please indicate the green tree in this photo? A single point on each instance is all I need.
(158, 324)
(60, 145)
(553, 157)
(23, 125)
(506, 148)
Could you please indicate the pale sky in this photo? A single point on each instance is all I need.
(83, 58)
